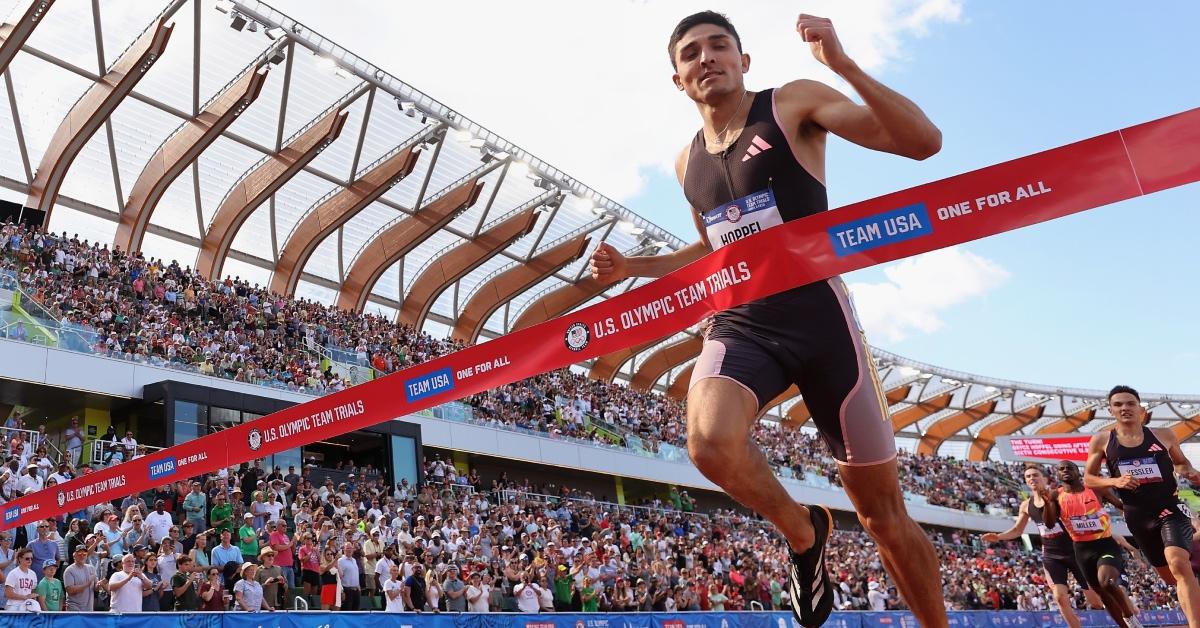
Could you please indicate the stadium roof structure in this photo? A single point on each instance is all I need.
(232, 138)
(225, 135)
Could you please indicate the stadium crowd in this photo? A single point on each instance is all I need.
(249, 538)
(252, 538)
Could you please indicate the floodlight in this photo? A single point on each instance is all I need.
(637, 231)
(463, 135)
(501, 154)
(277, 57)
(252, 26)
(476, 142)
(274, 32)
(238, 22)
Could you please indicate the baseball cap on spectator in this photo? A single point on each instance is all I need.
(267, 551)
(247, 516)
(49, 563)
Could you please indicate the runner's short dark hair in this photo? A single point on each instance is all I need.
(694, 20)
(1121, 388)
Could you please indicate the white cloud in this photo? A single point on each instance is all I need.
(586, 86)
(919, 289)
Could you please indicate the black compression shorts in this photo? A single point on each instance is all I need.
(1059, 566)
(808, 337)
(1154, 532)
(1092, 554)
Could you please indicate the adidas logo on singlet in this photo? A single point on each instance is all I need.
(757, 145)
(1155, 447)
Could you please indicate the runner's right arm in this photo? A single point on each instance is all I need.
(610, 266)
(1016, 530)
(1051, 511)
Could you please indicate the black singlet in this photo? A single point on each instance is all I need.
(1150, 463)
(754, 184)
(1055, 540)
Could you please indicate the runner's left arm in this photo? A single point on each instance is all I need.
(1183, 466)
(886, 121)
(1091, 472)
(1133, 551)
(1107, 495)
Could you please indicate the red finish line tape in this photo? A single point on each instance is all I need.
(1105, 169)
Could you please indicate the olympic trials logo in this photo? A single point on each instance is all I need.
(62, 499)
(577, 337)
(255, 439)
(733, 213)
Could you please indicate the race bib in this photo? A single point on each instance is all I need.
(1044, 531)
(742, 218)
(1144, 470)
(1087, 523)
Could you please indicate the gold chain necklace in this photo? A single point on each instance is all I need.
(722, 142)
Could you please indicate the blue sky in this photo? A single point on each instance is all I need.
(1091, 300)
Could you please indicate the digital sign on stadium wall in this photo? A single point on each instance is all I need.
(1044, 448)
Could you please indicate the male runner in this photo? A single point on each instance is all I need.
(1058, 552)
(1096, 549)
(1142, 465)
(757, 162)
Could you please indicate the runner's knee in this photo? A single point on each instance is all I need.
(885, 523)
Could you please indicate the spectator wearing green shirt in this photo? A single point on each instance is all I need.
(589, 597)
(222, 514)
(689, 504)
(562, 589)
(674, 497)
(248, 539)
(50, 590)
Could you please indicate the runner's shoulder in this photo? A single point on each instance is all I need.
(681, 162)
(804, 94)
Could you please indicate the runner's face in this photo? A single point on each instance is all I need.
(1127, 409)
(708, 64)
(1034, 479)
(1068, 473)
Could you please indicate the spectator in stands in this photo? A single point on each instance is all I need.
(270, 576)
(212, 591)
(127, 586)
(73, 437)
(81, 582)
(393, 591)
(49, 590)
(184, 586)
(248, 592)
(20, 583)
(159, 522)
(195, 504)
(349, 575)
(226, 553)
(414, 589)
